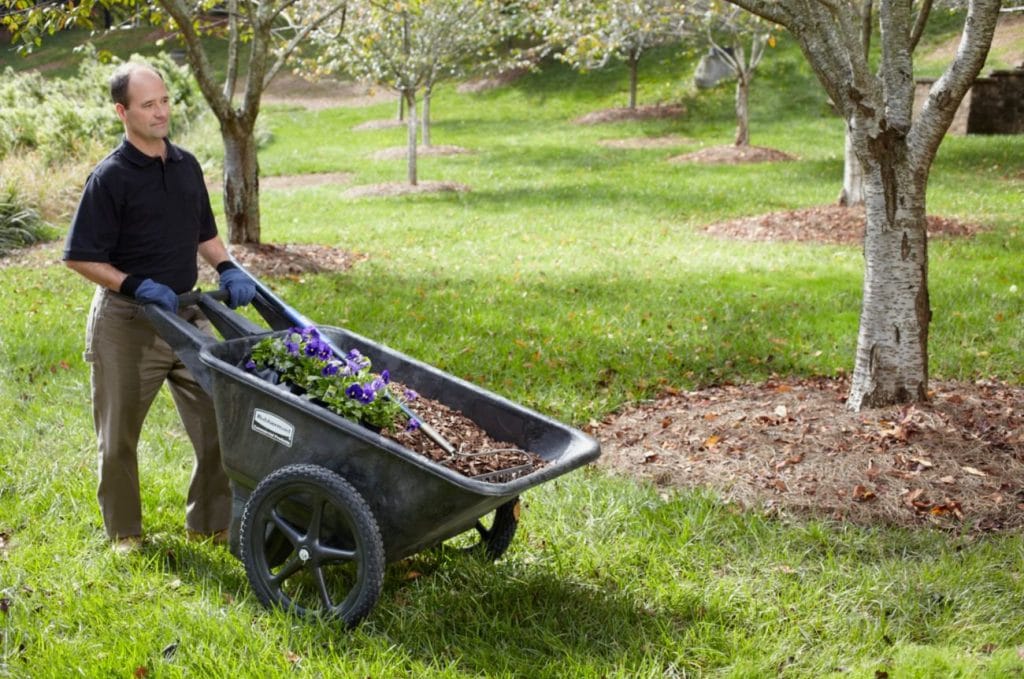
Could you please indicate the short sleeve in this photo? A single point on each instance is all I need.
(96, 224)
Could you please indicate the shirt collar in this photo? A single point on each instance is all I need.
(139, 158)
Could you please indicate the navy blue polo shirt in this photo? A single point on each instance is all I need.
(145, 216)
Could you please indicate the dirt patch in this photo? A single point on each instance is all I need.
(380, 124)
(402, 189)
(400, 152)
(822, 224)
(273, 260)
(733, 155)
(616, 115)
(791, 446)
(291, 90)
(486, 83)
(294, 181)
(287, 260)
(38, 256)
(633, 143)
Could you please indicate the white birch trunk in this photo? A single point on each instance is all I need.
(742, 110)
(891, 364)
(634, 76)
(425, 123)
(410, 100)
(852, 194)
(896, 152)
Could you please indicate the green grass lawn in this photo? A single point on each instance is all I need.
(571, 278)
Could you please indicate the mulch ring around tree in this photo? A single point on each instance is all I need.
(434, 150)
(639, 143)
(822, 224)
(380, 124)
(615, 115)
(791, 447)
(491, 82)
(292, 181)
(733, 155)
(403, 188)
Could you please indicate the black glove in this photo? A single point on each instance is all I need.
(239, 286)
(151, 292)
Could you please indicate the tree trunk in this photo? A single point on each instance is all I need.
(426, 118)
(241, 185)
(401, 108)
(891, 364)
(410, 100)
(742, 110)
(634, 67)
(852, 194)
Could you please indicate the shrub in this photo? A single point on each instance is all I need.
(20, 224)
(63, 119)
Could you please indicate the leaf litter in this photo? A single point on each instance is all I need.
(790, 446)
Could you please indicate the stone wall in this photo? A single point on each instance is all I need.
(993, 105)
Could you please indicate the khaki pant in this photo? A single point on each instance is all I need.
(129, 364)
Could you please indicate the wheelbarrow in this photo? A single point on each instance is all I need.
(322, 503)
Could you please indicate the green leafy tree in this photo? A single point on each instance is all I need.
(409, 47)
(261, 37)
(587, 34)
(895, 149)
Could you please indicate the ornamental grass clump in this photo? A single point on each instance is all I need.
(343, 384)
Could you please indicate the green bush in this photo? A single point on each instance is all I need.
(63, 119)
(20, 224)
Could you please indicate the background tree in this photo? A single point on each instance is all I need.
(409, 47)
(726, 27)
(261, 37)
(589, 33)
(896, 151)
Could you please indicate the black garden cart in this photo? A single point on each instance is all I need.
(322, 503)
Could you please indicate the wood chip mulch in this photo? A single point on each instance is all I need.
(434, 150)
(822, 224)
(380, 124)
(476, 454)
(287, 260)
(632, 143)
(733, 155)
(615, 115)
(403, 188)
(790, 446)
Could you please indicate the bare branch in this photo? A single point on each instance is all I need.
(919, 23)
(775, 12)
(948, 91)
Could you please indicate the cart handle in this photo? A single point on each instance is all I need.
(184, 338)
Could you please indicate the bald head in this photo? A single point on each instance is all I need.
(121, 78)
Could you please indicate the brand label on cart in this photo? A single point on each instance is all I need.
(272, 426)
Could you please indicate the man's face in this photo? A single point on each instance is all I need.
(147, 116)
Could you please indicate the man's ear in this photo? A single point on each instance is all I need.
(121, 111)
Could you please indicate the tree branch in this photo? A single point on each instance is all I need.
(200, 63)
(919, 23)
(948, 91)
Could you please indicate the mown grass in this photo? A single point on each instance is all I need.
(571, 278)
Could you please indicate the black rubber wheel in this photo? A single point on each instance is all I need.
(310, 544)
(496, 538)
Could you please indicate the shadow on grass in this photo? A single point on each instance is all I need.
(528, 622)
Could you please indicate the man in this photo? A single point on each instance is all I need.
(144, 216)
